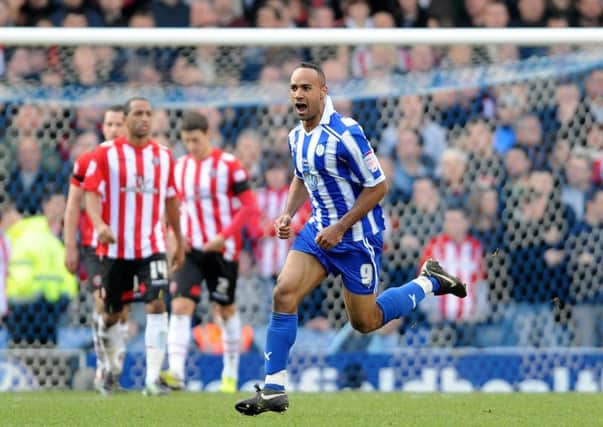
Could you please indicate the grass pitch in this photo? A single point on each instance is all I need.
(307, 409)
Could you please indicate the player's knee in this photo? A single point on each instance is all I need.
(284, 299)
(111, 319)
(156, 306)
(183, 306)
(363, 325)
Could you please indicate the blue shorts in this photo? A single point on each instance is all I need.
(359, 263)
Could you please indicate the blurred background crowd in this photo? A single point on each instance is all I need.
(501, 182)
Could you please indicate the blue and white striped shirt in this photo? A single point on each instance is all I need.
(336, 161)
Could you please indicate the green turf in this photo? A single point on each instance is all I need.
(312, 409)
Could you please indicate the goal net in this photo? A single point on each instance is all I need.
(493, 154)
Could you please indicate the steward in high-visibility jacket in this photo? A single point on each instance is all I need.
(36, 266)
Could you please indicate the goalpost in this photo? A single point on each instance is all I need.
(460, 97)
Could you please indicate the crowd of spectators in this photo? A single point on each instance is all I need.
(502, 184)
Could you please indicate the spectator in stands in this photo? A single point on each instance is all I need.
(484, 214)
(594, 94)
(112, 13)
(569, 112)
(39, 286)
(594, 147)
(202, 14)
(528, 132)
(84, 142)
(170, 13)
(453, 185)
(142, 18)
(29, 180)
(517, 170)
(412, 116)
(590, 13)
(472, 14)
(559, 155)
(483, 162)
(357, 14)
(76, 13)
(28, 121)
(410, 163)
(460, 252)
(535, 227)
(85, 66)
(585, 254)
(74, 19)
(508, 108)
(248, 150)
(411, 14)
(496, 15)
(532, 13)
(412, 225)
(578, 171)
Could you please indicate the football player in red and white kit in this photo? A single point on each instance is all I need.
(216, 202)
(108, 369)
(129, 185)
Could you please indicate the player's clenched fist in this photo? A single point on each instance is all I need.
(282, 226)
(330, 237)
(105, 235)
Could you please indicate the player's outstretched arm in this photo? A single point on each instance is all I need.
(93, 208)
(368, 198)
(295, 199)
(71, 221)
(172, 214)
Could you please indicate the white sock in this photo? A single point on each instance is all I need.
(425, 284)
(179, 336)
(99, 348)
(278, 378)
(155, 337)
(231, 342)
(111, 340)
(120, 347)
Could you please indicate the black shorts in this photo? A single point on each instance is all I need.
(219, 274)
(124, 280)
(93, 267)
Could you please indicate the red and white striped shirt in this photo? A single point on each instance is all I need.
(464, 260)
(208, 192)
(88, 236)
(4, 262)
(271, 251)
(134, 183)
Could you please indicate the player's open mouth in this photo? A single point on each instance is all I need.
(301, 108)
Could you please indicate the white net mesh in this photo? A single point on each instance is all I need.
(503, 142)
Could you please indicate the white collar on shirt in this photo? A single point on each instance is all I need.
(328, 112)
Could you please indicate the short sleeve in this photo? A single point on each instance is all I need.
(239, 177)
(171, 181)
(361, 158)
(78, 174)
(95, 176)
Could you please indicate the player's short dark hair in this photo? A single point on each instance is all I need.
(128, 105)
(116, 108)
(194, 120)
(317, 68)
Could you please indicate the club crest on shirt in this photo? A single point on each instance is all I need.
(156, 161)
(320, 150)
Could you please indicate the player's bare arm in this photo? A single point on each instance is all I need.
(93, 207)
(172, 212)
(368, 198)
(71, 221)
(298, 194)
